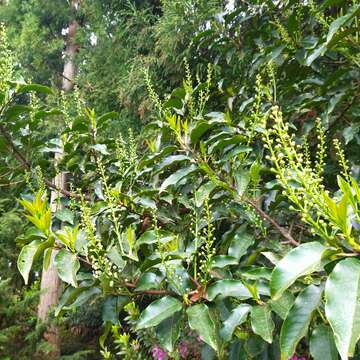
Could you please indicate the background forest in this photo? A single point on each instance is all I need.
(179, 179)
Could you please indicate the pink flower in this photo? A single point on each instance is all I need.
(158, 353)
(183, 350)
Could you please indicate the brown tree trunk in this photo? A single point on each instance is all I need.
(50, 282)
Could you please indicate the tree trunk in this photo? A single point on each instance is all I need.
(50, 282)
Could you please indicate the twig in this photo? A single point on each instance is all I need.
(344, 111)
(149, 292)
(198, 285)
(11, 183)
(27, 166)
(269, 219)
(14, 149)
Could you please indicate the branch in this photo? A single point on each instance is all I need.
(27, 166)
(19, 157)
(66, 78)
(262, 213)
(343, 112)
(149, 292)
(269, 219)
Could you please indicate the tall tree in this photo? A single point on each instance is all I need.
(50, 282)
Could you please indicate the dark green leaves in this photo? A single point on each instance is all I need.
(221, 261)
(342, 293)
(15, 110)
(262, 323)
(322, 345)
(101, 120)
(177, 176)
(298, 319)
(226, 288)
(112, 307)
(35, 87)
(201, 321)
(303, 260)
(158, 311)
(201, 127)
(236, 318)
(283, 304)
(341, 21)
(29, 254)
(240, 243)
(67, 265)
(168, 332)
(65, 215)
(331, 40)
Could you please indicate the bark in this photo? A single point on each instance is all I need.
(70, 51)
(50, 282)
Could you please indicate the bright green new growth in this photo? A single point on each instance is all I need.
(179, 237)
(303, 183)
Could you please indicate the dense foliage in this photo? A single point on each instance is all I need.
(228, 228)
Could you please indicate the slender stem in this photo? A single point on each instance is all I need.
(269, 219)
(27, 166)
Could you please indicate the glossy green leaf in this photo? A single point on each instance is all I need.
(313, 55)
(28, 254)
(256, 272)
(262, 323)
(201, 321)
(47, 258)
(341, 21)
(242, 180)
(236, 318)
(148, 280)
(65, 215)
(203, 192)
(84, 297)
(67, 265)
(201, 127)
(101, 148)
(42, 114)
(158, 311)
(112, 307)
(16, 110)
(174, 178)
(101, 120)
(240, 243)
(114, 255)
(152, 237)
(157, 156)
(221, 261)
(168, 332)
(35, 87)
(239, 149)
(296, 324)
(170, 160)
(70, 295)
(226, 288)
(283, 304)
(342, 308)
(322, 345)
(303, 260)
(220, 144)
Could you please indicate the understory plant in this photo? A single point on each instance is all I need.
(180, 242)
(326, 268)
(213, 234)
